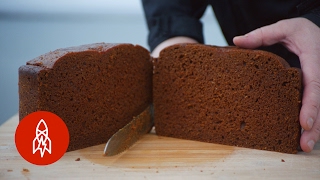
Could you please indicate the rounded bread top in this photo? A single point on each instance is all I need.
(49, 59)
(221, 51)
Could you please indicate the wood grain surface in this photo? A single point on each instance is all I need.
(155, 157)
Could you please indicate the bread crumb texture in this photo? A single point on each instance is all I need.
(231, 96)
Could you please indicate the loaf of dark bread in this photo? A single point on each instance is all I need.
(96, 89)
(226, 95)
(231, 96)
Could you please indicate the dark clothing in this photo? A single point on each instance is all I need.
(170, 18)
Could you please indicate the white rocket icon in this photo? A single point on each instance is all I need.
(42, 141)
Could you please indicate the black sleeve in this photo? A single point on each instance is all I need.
(310, 9)
(170, 18)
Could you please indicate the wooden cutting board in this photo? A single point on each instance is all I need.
(155, 157)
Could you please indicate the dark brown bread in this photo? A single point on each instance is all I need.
(231, 96)
(96, 89)
(220, 95)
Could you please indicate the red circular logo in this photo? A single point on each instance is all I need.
(42, 138)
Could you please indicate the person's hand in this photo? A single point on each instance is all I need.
(302, 37)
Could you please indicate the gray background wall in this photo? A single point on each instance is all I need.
(34, 27)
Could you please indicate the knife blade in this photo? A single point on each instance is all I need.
(131, 133)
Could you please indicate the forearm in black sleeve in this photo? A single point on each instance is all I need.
(171, 18)
(310, 9)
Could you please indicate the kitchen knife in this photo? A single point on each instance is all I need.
(131, 133)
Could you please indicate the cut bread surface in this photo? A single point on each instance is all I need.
(231, 96)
